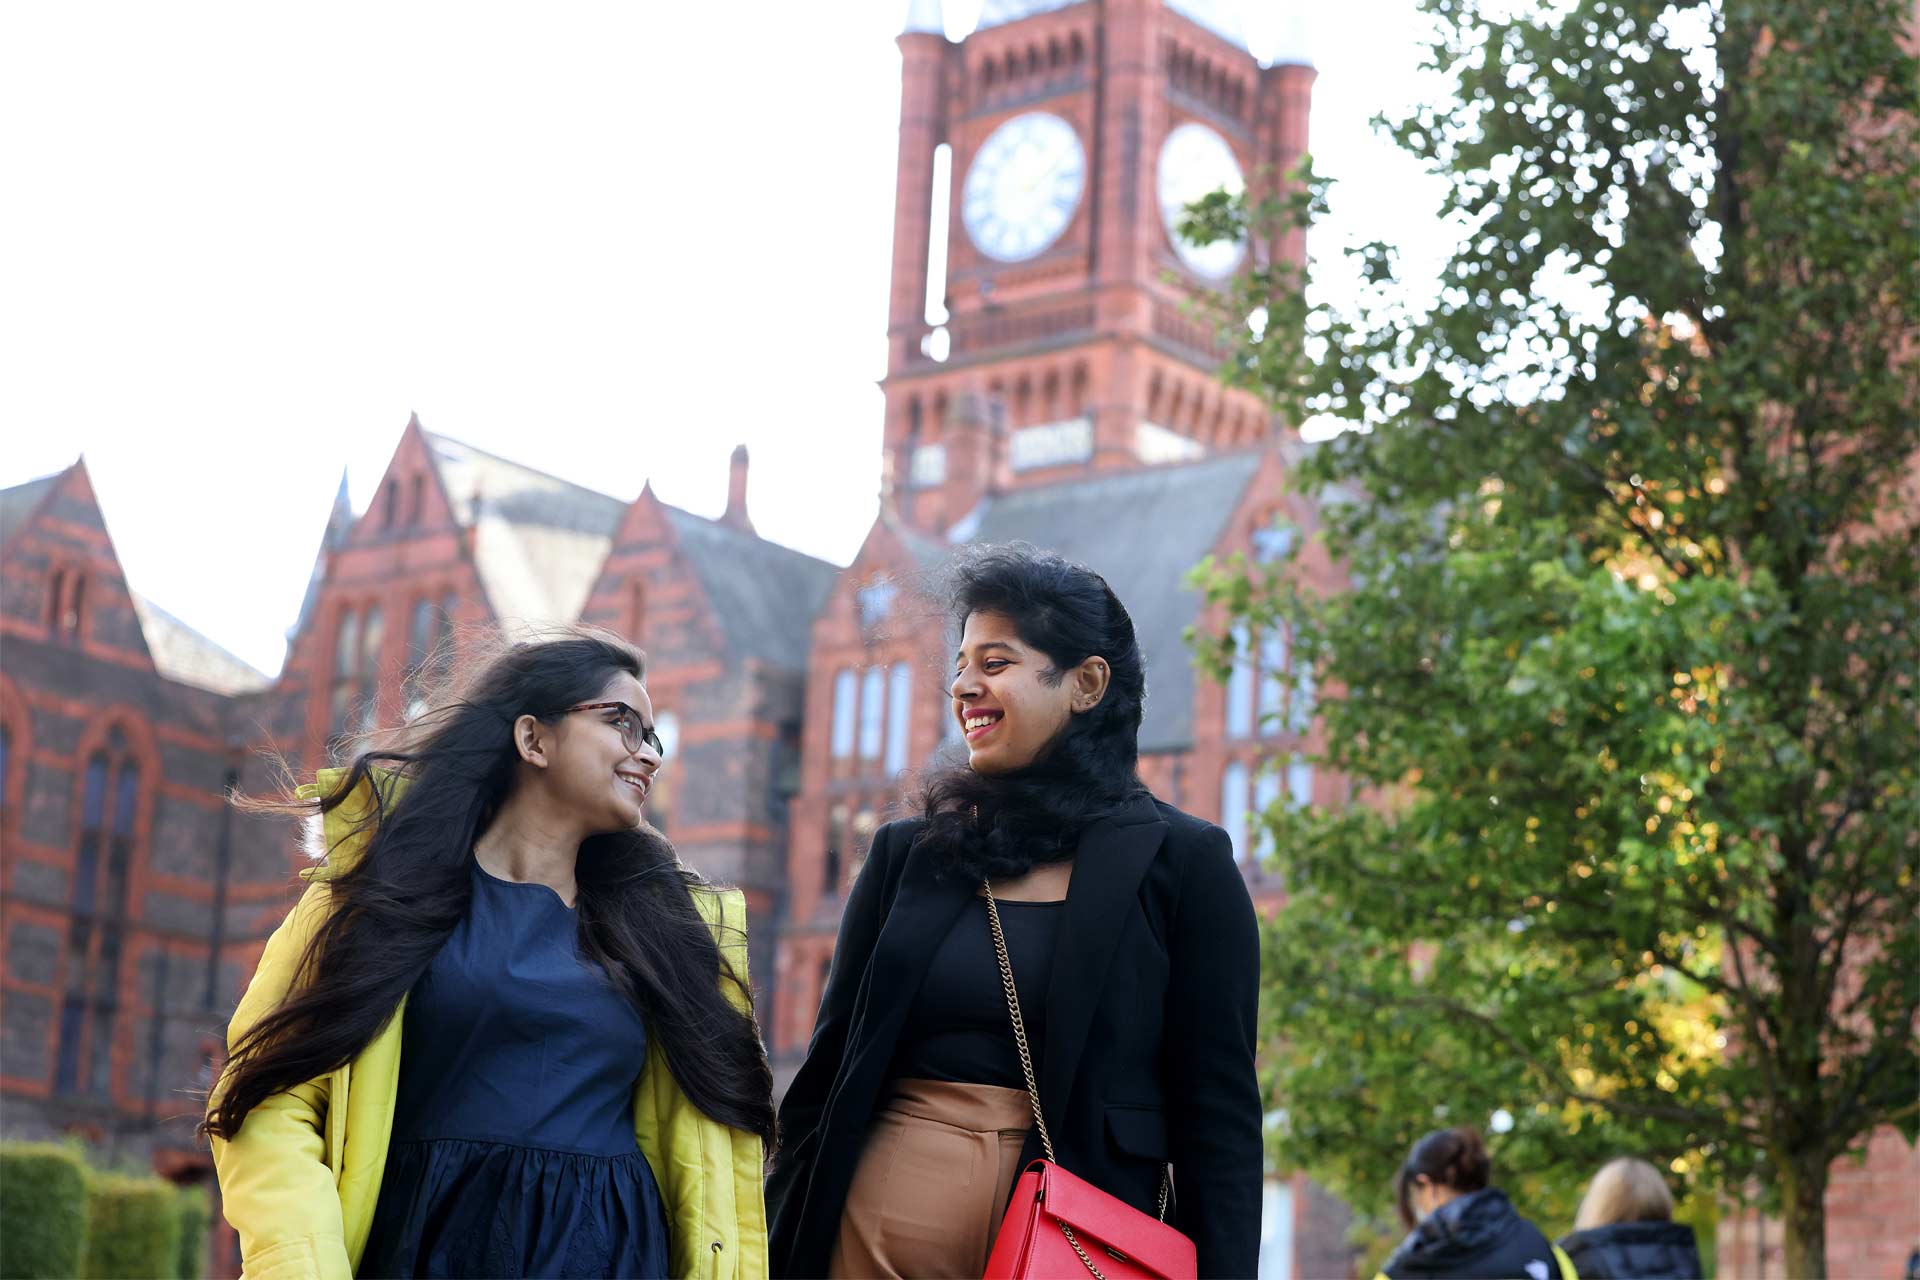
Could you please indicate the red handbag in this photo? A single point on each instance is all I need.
(1058, 1224)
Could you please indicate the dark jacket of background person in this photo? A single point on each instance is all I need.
(1633, 1251)
(1149, 1042)
(1476, 1235)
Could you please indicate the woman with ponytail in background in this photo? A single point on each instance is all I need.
(505, 1032)
(1458, 1225)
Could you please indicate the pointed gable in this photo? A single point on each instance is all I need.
(707, 585)
(538, 541)
(60, 578)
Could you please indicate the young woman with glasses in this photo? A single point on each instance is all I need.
(505, 1032)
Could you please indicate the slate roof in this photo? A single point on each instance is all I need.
(18, 501)
(764, 595)
(1142, 531)
(182, 654)
(539, 541)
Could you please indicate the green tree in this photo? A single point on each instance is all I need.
(1625, 674)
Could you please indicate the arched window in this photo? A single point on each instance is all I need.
(372, 637)
(1300, 705)
(420, 635)
(443, 643)
(845, 692)
(1233, 807)
(97, 920)
(873, 705)
(6, 762)
(56, 600)
(1299, 782)
(1240, 686)
(1266, 790)
(899, 716)
(416, 498)
(1273, 679)
(346, 664)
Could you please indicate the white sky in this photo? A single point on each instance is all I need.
(241, 242)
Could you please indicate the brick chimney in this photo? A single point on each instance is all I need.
(737, 490)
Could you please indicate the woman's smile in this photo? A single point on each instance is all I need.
(980, 721)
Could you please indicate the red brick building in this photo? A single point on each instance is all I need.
(134, 900)
(1044, 383)
(130, 892)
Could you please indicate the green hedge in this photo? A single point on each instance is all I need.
(196, 1224)
(133, 1228)
(43, 1211)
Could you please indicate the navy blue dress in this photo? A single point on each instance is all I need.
(513, 1152)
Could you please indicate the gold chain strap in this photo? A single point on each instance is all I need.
(1026, 1067)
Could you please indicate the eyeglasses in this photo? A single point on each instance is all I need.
(633, 731)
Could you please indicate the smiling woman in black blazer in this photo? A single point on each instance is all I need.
(1134, 950)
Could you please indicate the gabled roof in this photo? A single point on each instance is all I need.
(1142, 531)
(17, 502)
(538, 540)
(182, 654)
(764, 596)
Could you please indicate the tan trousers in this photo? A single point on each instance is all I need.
(932, 1183)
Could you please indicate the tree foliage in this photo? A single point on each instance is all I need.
(1624, 672)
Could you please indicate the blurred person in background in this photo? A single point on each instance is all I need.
(1625, 1228)
(1458, 1225)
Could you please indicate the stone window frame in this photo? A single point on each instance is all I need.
(123, 742)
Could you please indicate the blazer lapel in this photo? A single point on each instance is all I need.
(1108, 866)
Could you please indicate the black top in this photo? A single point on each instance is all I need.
(1630, 1250)
(513, 1149)
(958, 1027)
(1148, 1051)
(1476, 1235)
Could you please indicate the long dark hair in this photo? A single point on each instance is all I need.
(997, 826)
(389, 913)
(1455, 1158)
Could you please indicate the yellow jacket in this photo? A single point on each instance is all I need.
(300, 1181)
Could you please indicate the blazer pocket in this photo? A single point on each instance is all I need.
(1137, 1131)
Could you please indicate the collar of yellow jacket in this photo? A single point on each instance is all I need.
(335, 839)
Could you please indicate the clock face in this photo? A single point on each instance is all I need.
(1193, 161)
(1023, 187)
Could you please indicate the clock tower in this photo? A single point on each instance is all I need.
(1036, 326)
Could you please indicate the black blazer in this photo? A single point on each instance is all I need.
(1149, 1041)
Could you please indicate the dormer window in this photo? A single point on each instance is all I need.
(876, 602)
(66, 597)
(1272, 543)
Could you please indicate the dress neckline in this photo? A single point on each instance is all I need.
(524, 884)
